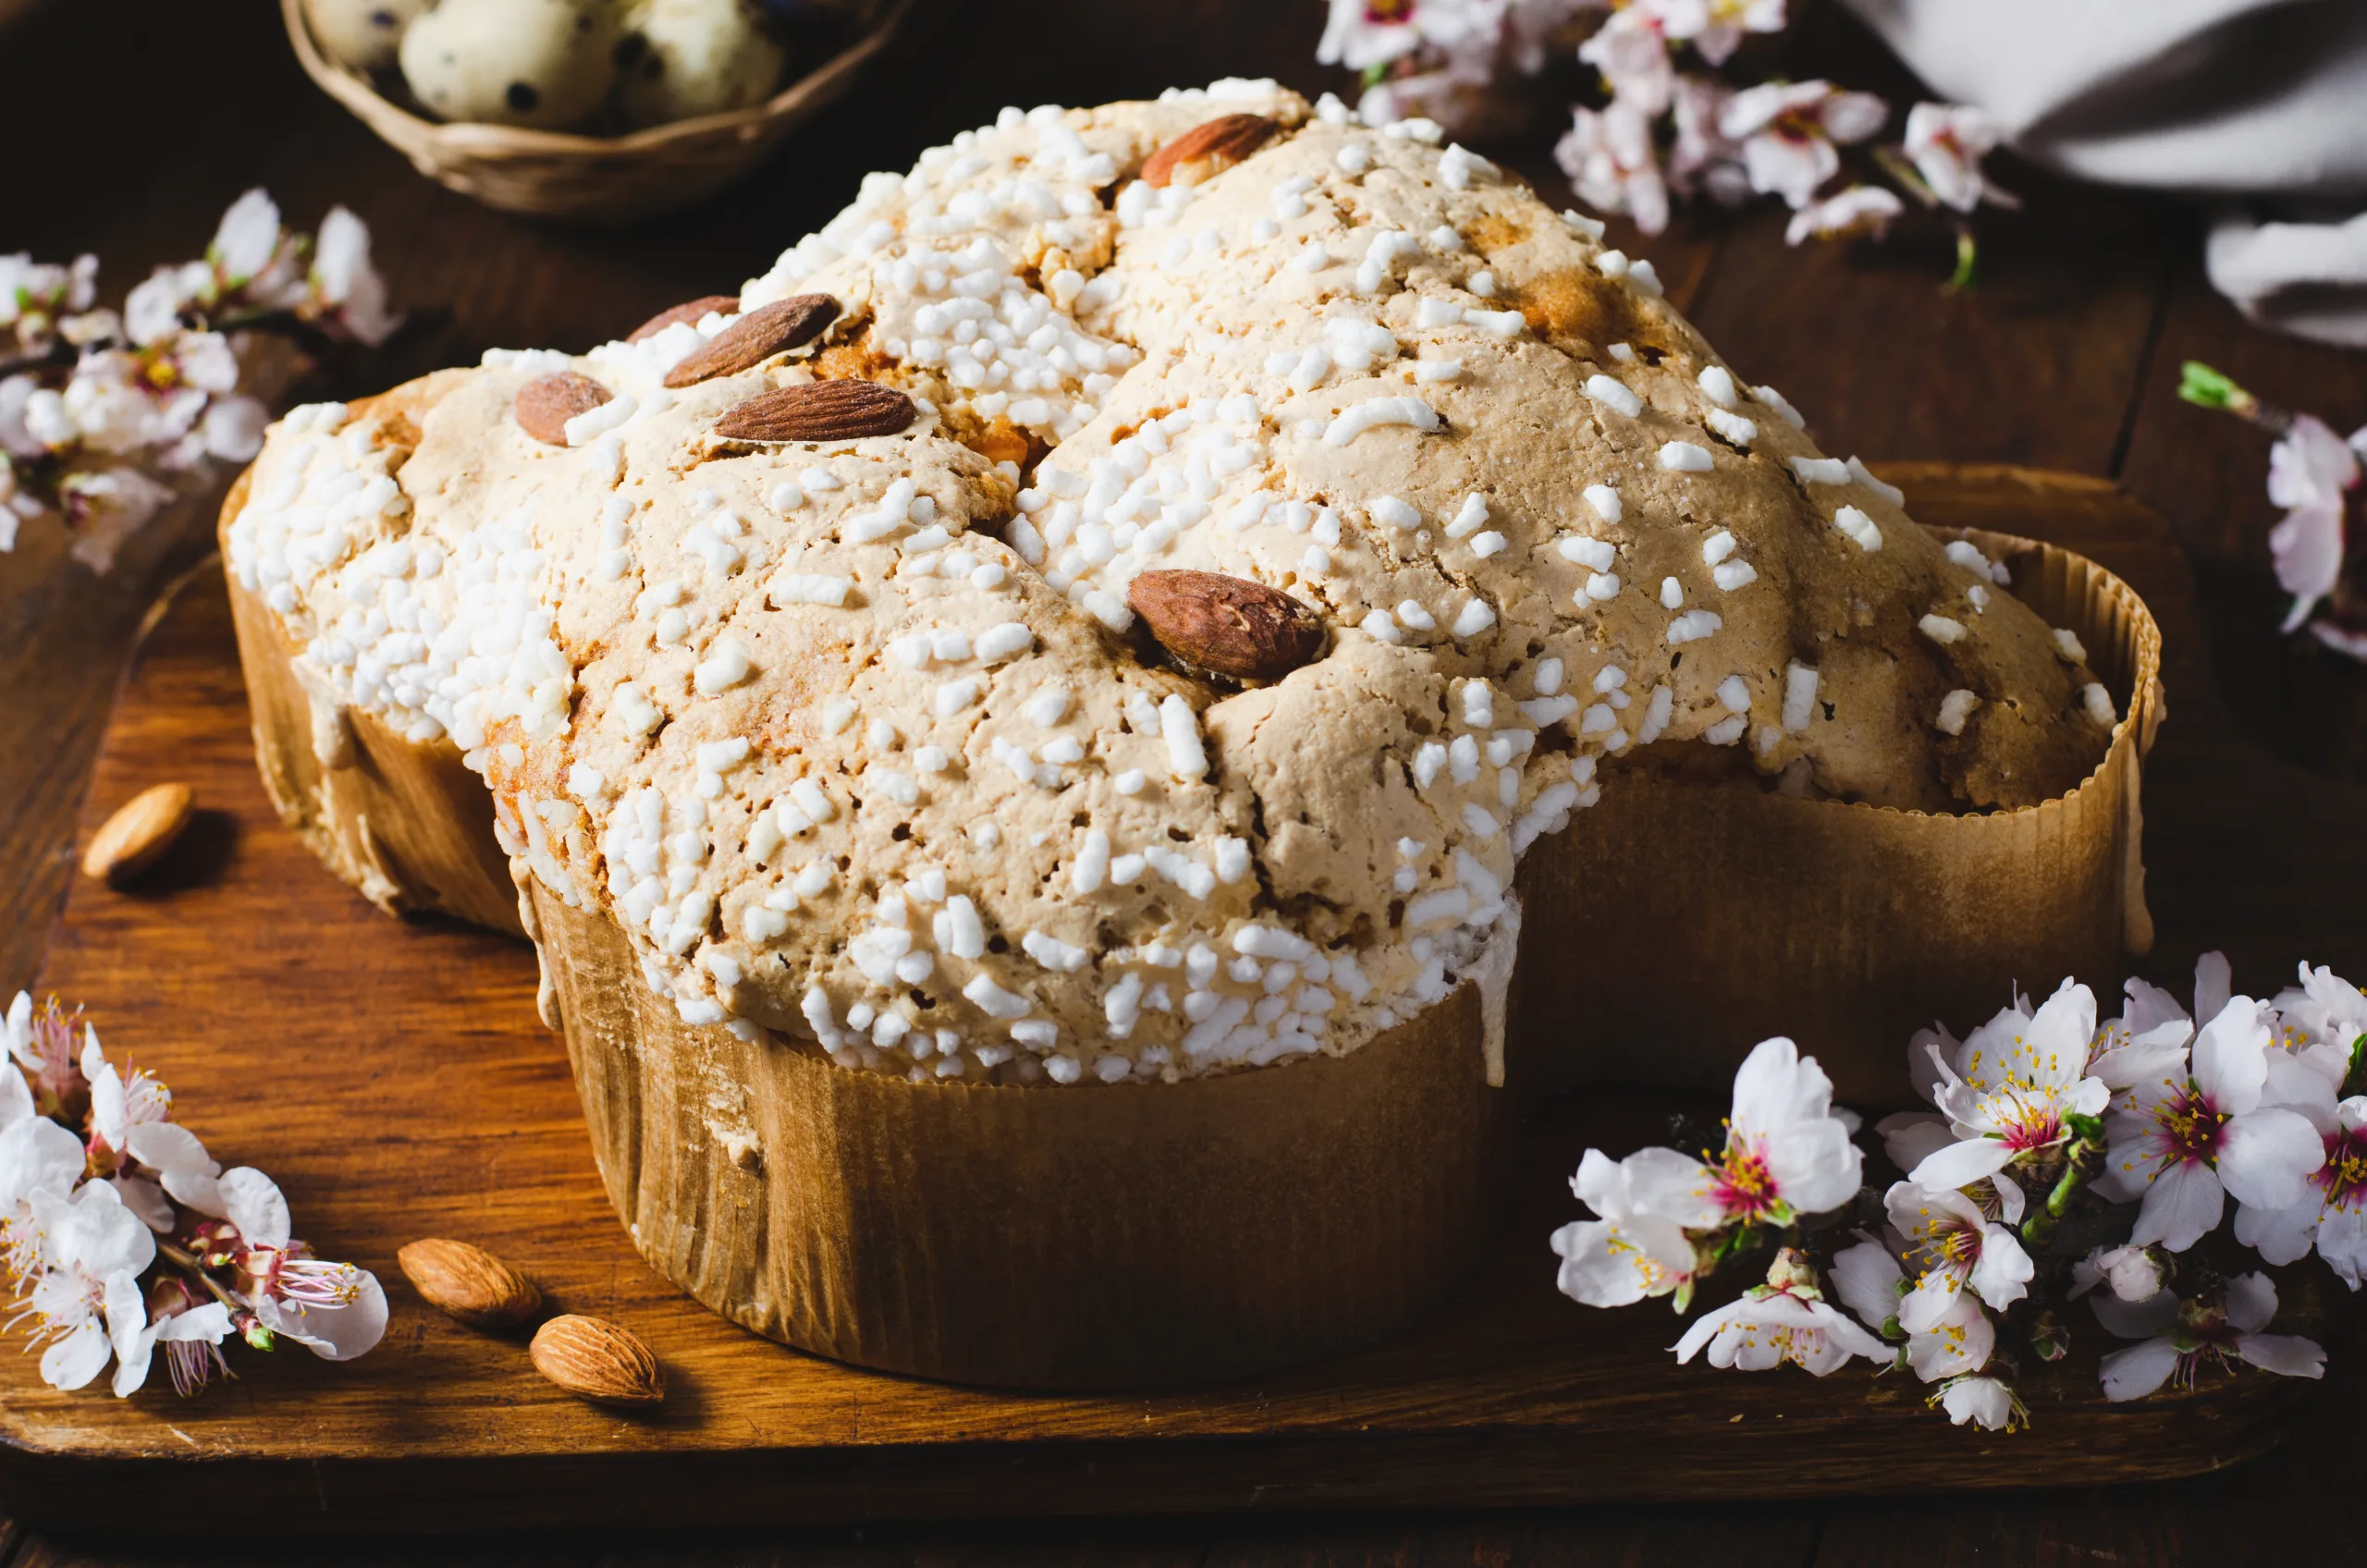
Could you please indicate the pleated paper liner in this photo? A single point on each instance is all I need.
(1129, 1235)
(404, 824)
(1677, 924)
(1105, 1236)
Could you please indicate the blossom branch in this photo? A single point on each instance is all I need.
(2138, 1130)
(106, 416)
(99, 1184)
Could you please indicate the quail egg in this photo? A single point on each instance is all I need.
(361, 34)
(680, 59)
(542, 63)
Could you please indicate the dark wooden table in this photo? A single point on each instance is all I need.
(131, 123)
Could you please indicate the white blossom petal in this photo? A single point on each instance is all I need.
(2139, 1370)
(253, 1203)
(2181, 1206)
(1984, 1402)
(1962, 1163)
(2266, 1157)
(1866, 1278)
(333, 1334)
(2288, 1355)
(2251, 1302)
(73, 1360)
(2231, 1056)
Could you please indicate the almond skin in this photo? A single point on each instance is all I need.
(547, 402)
(1209, 149)
(691, 311)
(819, 411)
(755, 338)
(469, 1283)
(1226, 624)
(592, 1359)
(139, 832)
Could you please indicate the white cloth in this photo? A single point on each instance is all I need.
(2258, 105)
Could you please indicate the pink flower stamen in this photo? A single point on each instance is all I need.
(2188, 1127)
(1746, 1188)
(2343, 1178)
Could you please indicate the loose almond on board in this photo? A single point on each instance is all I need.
(469, 1283)
(139, 832)
(691, 311)
(1208, 150)
(547, 402)
(592, 1359)
(1226, 624)
(819, 411)
(755, 338)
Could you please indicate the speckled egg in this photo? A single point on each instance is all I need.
(361, 34)
(544, 63)
(685, 57)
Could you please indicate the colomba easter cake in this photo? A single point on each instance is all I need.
(1022, 736)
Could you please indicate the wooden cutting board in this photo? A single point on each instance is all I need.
(392, 1076)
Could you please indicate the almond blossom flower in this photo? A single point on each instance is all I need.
(1984, 1402)
(1630, 50)
(80, 1241)
(1785, 1319)
(1859, 210)
(2331, 1214)
(2133, 1272)
(250, 252)
(34, 294)
(1788, 130)
(2325, 1019)
(1627, 1254)
(166, 301)
(346, 293)
(334, 1310)
(1956, 1342)
(134, 1336)
(107, 507)
(1609, 156)
(37, 1155)
(2184, 1141)
(1787, 1153)
(1957, 1248)
(2014, 1083)
(1715, 27)
(2148, 1040)
(118, 1103)
(1363, 33)
(1947, 142)
(121, 1110)
(42, 1044)
(2186, 1334)
(2311, 473)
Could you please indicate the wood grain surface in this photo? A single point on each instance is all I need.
(412, 1092)
(2067, 354)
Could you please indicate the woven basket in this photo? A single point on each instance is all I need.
(608, 179)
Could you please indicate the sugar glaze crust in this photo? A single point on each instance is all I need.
(856, 739)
